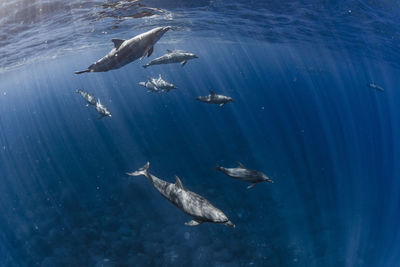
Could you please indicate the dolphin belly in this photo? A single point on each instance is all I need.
(198, 207)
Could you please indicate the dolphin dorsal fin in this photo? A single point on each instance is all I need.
(117, 42)
(212, 92)
(169, 51)
(178, 182)
(240, 165)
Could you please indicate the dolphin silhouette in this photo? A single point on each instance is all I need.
(189, 202)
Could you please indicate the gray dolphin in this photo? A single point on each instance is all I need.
(375, 86)
(244, 174)
(89, 98)
(102, 110)
(189, 202)
(150, 87)
(213, 98)
(126, 51)
(173, 56)
(160, 83)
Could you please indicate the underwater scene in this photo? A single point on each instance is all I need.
(199, 133)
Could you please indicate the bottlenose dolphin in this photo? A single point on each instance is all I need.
(175, 56)
(102, 110)
(160, 83)
(375, 86)
(150, 86)
(126, 51)
(244, 174)
(213, 98)
(189, 202)
(88, 97)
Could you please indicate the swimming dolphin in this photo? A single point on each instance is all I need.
(126, 51)
(150, 87)
(175, 56)
(213, 98)
(189, 202)
(244, 174)
(88, 97)
(162, 84)
(102, 110)
(375, 86)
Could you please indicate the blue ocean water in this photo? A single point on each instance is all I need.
(303, 114)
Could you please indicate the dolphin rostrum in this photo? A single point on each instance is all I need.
(189, 202)
(160, 83)
(213, 98)
(175, 56)
(89, 98)
(150, 87)
(126, 51)
(244, 174)
(102, 110)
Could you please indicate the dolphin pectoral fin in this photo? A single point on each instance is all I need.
(251, 186)
(150, 51)
(183, 63)
(87, 105)
(193, 223)
(117, 42)
(221, 104)
(144, 54)
(212, 92)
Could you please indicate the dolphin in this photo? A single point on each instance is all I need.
(126, 51)
(102, 110)
(244, 174)
(213, 98)
(375, 86)
(150, 87)
(160, 83)
(88, 97)
(173, 56)
(189, 202)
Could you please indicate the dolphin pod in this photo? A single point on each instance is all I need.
(90, 100)
(126, 51)
(196, 206)
(157, 85)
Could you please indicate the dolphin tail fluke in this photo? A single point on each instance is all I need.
(217, 167)
(141, 171)
(82, 71)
